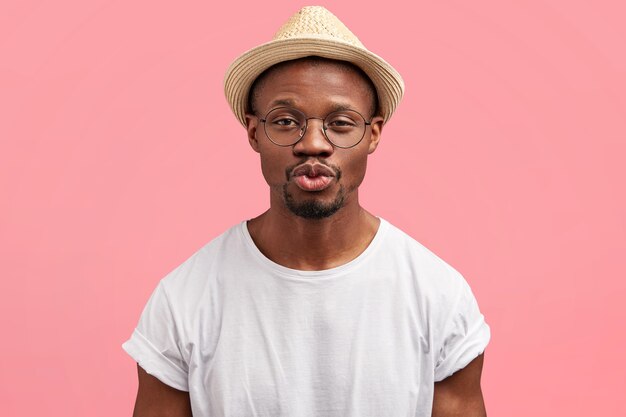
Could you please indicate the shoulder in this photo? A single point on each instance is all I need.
(187, 300)
(431, 272)
(459, 330)
(200, 271)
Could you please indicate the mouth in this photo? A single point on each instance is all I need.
(312, 177)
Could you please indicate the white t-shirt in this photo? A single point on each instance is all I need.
(248, 337)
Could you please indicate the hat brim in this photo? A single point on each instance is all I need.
(245, 69)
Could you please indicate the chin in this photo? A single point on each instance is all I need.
(314, 209)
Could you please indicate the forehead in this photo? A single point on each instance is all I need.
(314, 83)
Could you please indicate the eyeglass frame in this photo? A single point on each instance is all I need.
(306, 125)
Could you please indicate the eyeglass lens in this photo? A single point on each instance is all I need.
(285, 126)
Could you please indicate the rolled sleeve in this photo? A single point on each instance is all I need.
(466, 336)
(155, 343)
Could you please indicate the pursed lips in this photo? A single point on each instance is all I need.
(312, 177)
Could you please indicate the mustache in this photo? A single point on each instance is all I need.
(290, 170)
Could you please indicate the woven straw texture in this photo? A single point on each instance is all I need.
(312, 31)
(316, 21)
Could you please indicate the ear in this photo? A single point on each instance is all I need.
(376, 131)
(251, 127)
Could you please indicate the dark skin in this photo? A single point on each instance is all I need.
(156, 399)
(460, 393)
(315, 90)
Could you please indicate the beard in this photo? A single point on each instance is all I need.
(314, 209)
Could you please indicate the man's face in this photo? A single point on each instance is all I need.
(313, 179)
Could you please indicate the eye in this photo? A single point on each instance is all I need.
(285, 122)
(284, 118)
(341, 122)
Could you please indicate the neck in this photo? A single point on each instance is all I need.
(313, 244)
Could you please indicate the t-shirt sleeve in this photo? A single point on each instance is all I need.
(156, 344)
(466, 335)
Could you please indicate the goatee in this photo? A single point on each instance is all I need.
(313, 209)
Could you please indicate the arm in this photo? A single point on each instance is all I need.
(460, 393)
(156, 399)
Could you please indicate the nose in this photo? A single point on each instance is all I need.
(314, 141)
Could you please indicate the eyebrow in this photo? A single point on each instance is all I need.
(341, 106)
(291, 103)
(283, 102)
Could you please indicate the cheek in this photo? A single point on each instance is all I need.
(272, 168)
(353, 170)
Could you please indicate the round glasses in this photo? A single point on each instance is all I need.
(285, 126)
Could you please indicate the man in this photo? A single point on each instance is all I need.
(316, 307)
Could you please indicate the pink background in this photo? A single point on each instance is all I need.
(119, 158)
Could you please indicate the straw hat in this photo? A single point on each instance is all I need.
(311, 31)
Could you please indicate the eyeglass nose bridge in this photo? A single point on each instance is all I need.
(305, 126)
